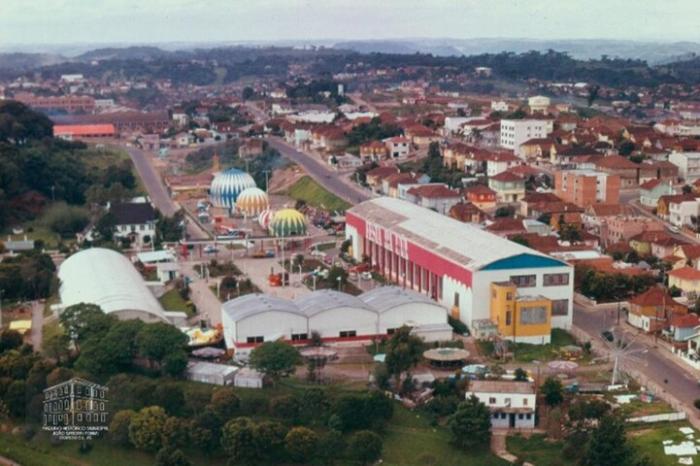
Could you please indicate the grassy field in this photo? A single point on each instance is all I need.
(172, 301)
(647, 440)
(411, 441)
(315, 195)
(537, 450)
(527, 353)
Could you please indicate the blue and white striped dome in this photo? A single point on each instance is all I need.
(227, 185)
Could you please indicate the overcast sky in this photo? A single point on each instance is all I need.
(143, 21)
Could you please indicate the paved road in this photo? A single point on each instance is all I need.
(151, 180)
(158, 192)
(656, 363)
(320, 172)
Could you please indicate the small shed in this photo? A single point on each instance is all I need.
(209, 372)
(249, 378)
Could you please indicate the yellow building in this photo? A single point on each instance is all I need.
(687, 279)
(522, 319)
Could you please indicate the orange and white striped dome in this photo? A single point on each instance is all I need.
(252, 201)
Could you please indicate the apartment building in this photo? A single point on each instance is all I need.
(516, 132)
(586, 187)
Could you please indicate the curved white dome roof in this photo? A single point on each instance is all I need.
(106, 278)
(227, 185)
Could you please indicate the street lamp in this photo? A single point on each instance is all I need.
(339, 279)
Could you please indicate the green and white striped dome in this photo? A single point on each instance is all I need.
(288, 222)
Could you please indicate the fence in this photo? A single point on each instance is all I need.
(667, 417)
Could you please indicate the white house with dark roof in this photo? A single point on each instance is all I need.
(134, 220)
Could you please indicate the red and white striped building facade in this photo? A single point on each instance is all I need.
(452, 262)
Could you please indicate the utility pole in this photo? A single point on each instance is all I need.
(267, 182)
(2, 292)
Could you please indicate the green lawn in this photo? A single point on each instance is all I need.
(537, 450)
(39, 232)
(647, 440)
(307, 190)
(525, 352)
(172, 301)
(410, 440)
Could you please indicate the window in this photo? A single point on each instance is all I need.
(528, 416)
(533, 315)
(456, 300)
(524, 401)
(492, 401)
(560, 307)
(521, 416)
(299, 336)
(555, 279)
(507, 401)
(509, 296)
(348, 334)
(255, 339)
(509, 318)
(391, 331)
(524, 281)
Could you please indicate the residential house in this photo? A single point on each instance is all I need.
(373, 151)
(535, 148)
(688, 164)
(481, 196)
(587, 187)
(499, 162)
(627, 170)
(467, 212)
(392, 184)
(399, 147)
(687, 279)
(134, 220)
(512, 404)
(420, 135)
(651, 310)
(688, 255)
(534, 199)
(375, 177)
(508, 187)
(663, 207)
(658, 170)
(437, 197)
(622, 227)
(650, 192)
(684, 212)
(682, 328)
(642, 243)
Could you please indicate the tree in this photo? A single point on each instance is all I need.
(157, 340)
(170, 397)
(301, 444)
(169, 456)
(470, 426)
(238, 439)
(553, 391)
(247, 93)
(106, 226)
(81, 321)
(520, 375)
(113, 352)
(146, 428)
(175, 432)
(9, 340)
(119, 427)
(403, 351)
(504, 212)
(275, 359)
(365, 446)
(608, 444)
(224, 403)
(286, 407)
(269, 437)
(337, 276)
(330, 446)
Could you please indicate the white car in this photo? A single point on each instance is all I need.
(366, 275)
(674, 229)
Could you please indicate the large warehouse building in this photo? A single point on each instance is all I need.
(255, 318)
(455, 263)
(107, 279)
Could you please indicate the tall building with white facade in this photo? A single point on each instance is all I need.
(516, 132)
(688, 164)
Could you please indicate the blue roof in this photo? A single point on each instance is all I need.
(523, 261)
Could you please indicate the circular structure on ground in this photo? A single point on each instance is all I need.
(264, 218)
(446, 355)
(252, 201)
(562, 366)
(227, 185)
(288, 222)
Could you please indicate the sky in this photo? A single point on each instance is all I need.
(159, 21)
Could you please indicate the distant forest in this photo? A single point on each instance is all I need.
(224, 65)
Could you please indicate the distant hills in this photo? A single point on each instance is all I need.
(653, 52)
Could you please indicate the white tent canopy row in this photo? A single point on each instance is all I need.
(259, 317)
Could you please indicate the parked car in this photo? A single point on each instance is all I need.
(366, 275)
(209, 249)
(608, 335)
